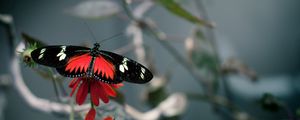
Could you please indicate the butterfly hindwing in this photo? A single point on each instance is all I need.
(127, 69)
(77, 65)
(56, 56)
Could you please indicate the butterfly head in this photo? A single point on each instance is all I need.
(96, 49)
(97, 45)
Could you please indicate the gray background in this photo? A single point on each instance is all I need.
(264, 34)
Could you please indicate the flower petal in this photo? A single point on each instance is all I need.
(91, 114)
(109, 90)
(94, 93)
(73, 82)
(117, 85)
(82, 92)
(74, 88)
(101, 92)
(108, 118)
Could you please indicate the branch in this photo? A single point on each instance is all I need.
(174, 105)
(33, 101)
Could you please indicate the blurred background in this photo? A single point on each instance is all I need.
(257, 41)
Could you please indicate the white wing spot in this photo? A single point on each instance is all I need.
(143, 70)
(63, 48)
(121, 68)
(62, 57)
(142, 75)
(61, 54)
(43, 50)
(41, 56)
(125, 60)
(125, 66)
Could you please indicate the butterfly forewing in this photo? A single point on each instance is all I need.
(127, 69)
(56, 56)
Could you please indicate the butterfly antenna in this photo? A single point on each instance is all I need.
(114, 36)
(91, 32)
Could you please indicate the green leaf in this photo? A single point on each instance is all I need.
(176, 9)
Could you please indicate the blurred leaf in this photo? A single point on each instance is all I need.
(204, 60)
(95, 9)
(298, 113)
(156, 92)
(31, 44)
(269, 103)
(176, 9)
(201, 52)
(155, 97)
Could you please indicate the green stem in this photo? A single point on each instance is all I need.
(54, 85)
(71, 117)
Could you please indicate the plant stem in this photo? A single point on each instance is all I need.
(54, 85)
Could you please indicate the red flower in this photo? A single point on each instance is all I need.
(91, 114)
(108, 118)
(98, 90)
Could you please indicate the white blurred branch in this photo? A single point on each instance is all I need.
(136, 31)
(174, 105)
(33, 101)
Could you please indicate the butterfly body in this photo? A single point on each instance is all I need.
(77, 61)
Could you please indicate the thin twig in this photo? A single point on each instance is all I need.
(55, 86)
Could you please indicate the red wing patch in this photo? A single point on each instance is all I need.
(79, 63)
(104, 68)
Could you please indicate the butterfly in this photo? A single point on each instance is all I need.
(78, 61)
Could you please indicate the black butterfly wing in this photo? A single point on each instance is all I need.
(56, 56)
(127, 69)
